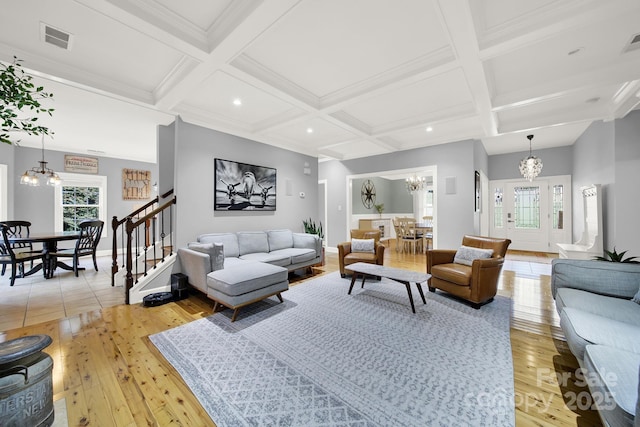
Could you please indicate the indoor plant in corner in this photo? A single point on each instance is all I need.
(614, 256)
(311, 228)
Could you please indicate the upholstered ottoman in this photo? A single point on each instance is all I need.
(246, 283)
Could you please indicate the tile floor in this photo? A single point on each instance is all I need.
(35, 299)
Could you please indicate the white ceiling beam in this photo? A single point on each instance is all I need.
(606, 76)
(261, 18)
(180, 35)
(551, 21)
(458, 19)
(626, 99)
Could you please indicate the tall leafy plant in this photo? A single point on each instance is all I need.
(312, 228)
(20, 106)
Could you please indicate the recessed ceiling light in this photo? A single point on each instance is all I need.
(429, 129)
(309, 130)
(237, 102)
(593, 100)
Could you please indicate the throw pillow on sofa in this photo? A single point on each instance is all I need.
(214, 250)
(363, 245)
(636, 299)
(466, 254)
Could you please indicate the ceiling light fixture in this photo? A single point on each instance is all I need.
(531, 166)
(237, 102)
(429, 129)
(415, 183)
(34, 175)
(309, 130)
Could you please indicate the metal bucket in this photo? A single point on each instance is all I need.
(26, 386)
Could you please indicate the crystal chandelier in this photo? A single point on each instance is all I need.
(40, 173)
(531, 166)
(415, 183)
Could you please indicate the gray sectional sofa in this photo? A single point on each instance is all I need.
(599, 307)
(237, 269)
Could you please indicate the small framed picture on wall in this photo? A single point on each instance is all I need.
(136, 184)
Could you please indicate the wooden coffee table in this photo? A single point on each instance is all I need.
(396, 274)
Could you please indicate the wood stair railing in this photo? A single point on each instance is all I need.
(146, 232)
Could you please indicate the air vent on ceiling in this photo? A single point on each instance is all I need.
(55, 36)
(633, 44)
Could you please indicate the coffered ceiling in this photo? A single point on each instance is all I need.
(330, 78)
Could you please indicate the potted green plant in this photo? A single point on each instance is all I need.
(20, 105)
(312, 228)
(613, 256)
(379, 208)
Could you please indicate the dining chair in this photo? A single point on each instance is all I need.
(409, 234)
(90, 232)
(397, 230)
(13, 257)
(17, 229)
(427, 232)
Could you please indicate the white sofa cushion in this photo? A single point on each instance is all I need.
(280, 239)
(620, 309)
(583, 328)
(214, 250)
(612, 375)
(228, 240)
(274, 258)
(240, 280)
(466, 254)
(250, 242)
(297, 255)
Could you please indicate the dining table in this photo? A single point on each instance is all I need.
(49, 242)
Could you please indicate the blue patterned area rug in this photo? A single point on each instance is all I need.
(325, 358)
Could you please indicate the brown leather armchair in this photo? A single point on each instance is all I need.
(477, 283)
(346, 256)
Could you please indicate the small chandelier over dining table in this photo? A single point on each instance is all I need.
(415, 183)
(35, 175)
(532, 165)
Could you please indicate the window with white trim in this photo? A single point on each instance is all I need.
(80, 197)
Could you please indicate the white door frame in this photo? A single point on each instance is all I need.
(548, 237)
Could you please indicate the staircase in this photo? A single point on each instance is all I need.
(142, 251)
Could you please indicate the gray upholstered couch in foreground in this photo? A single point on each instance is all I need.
(237, 269)
(599, 307)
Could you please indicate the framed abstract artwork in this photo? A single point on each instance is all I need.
(244, 187)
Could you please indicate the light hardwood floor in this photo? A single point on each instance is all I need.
(109, 374)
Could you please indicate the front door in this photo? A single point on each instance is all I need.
(531, 214)
(527, 215)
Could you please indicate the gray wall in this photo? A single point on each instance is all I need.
(455, 211)
(36, 204)
(166, 157)
(392, 193)
(594, 163)
(555, 161)
(7, 157)
(196, 148)
(627, 176)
